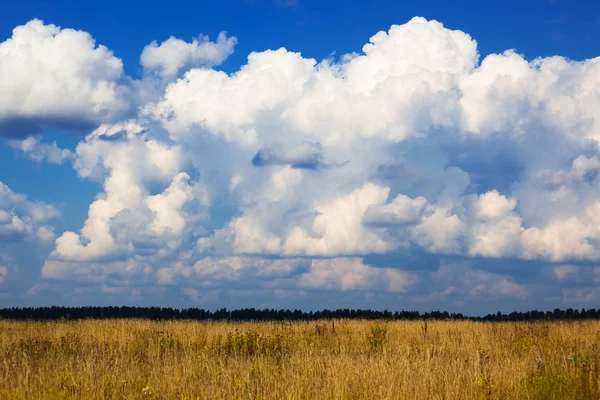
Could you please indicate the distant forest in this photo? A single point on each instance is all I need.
(251, 314)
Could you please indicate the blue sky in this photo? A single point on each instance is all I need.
(406, 155)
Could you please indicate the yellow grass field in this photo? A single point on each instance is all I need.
(139, 359)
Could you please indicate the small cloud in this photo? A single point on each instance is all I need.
(35, 150)
(22, 219)
(308, 155)
(174, 56)
(566, 272)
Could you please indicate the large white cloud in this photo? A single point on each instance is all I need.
(290, 170)
(404, 84)
(55, 76)
(509, 94)
(127, 219)
(410, 83)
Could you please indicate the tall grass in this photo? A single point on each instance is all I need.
(138, 359)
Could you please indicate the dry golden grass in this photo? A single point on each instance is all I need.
(133, 359)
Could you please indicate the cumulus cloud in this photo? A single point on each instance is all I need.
(249, 272)
(338, 226)
(242, 235)
(402, 210)
(21, 219)
(37, 151)
(409, 55)
(127, 218)
(583, 170)
(239, 268)
(405, 83)
(492, 205)
(508, 94)
(439, 232)
(352, 274)
(174, 56)
(288, 171)
(563, 239)
(58, 77)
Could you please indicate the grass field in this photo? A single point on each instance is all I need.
(133, 359)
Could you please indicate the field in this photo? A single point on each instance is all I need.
(341, 359)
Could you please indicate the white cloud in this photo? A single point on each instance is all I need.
(409, 146)
(439, 231)
(560, 240)
(509, 94)
(404, 84)
(21, 219)
(498, 238)
(327, 274)
(493, 204)
(496, 230)
(40, 152)
(240, 268)
(126, 218)
(281, 181)
(338, 226)
(242, 235)
(352, 274)
(402, 210)
(174, 56)
(166, 206)
(59, 77)
(583, 170)
(229, 106)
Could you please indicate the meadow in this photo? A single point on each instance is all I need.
(338, 359)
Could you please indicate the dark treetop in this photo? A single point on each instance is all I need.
(251, 314)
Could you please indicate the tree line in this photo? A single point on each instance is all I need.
(251, 314)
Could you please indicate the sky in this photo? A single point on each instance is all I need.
(300, 154)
